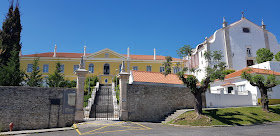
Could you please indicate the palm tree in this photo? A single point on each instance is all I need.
(186, 51)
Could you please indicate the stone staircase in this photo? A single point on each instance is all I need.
(174, 115)
(103, 105)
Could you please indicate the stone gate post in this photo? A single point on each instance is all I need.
(123, 76)
(80, 72)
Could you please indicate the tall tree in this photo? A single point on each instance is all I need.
(264, 55)
(10, 47)
(277, 56)
(35, 78)
(262, 83)
(57, 78)
(167, 65)
(213, 72)
(10, 34)
(10, 75)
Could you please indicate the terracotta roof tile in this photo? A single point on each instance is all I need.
(149, 57)
(254, 70)
(155, 77)
(58, 54)
(227, 84)
(78, 55)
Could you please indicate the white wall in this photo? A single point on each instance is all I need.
(228, 100)
(270, 65)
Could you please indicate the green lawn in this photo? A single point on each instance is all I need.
(229, 116)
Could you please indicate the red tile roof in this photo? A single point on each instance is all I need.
(227, 84)
(254, 70)
(149, 57)
(155, 77)
(58, 54)
(78, 55)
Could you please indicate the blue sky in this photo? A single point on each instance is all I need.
(141, 25)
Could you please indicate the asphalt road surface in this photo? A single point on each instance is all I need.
(119, 128)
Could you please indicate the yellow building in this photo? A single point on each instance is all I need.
(105, 64)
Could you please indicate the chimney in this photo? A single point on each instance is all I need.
(128, 52)
(85, 50)
(154, 53)
(263, 25)
(224, 22)
(54, 53)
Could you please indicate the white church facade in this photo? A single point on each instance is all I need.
(238, 43)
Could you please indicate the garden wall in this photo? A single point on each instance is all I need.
(36, 108)
(154, 101)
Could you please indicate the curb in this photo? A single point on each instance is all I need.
(36, 131)
(272, 122)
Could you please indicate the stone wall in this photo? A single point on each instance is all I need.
(152, 102)
(36, 108)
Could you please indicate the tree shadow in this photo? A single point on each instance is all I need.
(257, 121)
(226, 118)
(275, 110)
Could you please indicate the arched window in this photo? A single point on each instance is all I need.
(91, 68)
(106, 69)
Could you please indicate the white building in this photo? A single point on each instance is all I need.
(238, 42)
(235, 91)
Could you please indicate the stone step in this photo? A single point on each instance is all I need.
(174, 115)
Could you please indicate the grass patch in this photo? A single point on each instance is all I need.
(229, 116)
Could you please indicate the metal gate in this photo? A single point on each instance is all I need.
(105, 106)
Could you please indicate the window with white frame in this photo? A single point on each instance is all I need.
(161, 69)
(29, 67)
(149, 68)
(135, 67)
(241, 88)
(76, 67)
(91, 68)
(176, 70)
(62, 68)
(45, 68)
(269, 89)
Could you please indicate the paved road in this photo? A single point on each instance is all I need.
(118, 128)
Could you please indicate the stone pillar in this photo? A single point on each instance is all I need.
(123, 76)
(79, 113)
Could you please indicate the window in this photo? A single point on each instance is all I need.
(106, 55)
(241, 88)
(176, 70)
(246, 30)
(250, 62)
(269, 90)
(135, 67)
(106, 80)
(106, 69)
(249, 52)
(29, 67)
(76, 67)
(161, 69)
(45, 68)
(149, 68)
(121, 68)
(230, 89)
(62, 68)
(91, 68)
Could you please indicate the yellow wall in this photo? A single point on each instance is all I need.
(98, 60)
(271, 101)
